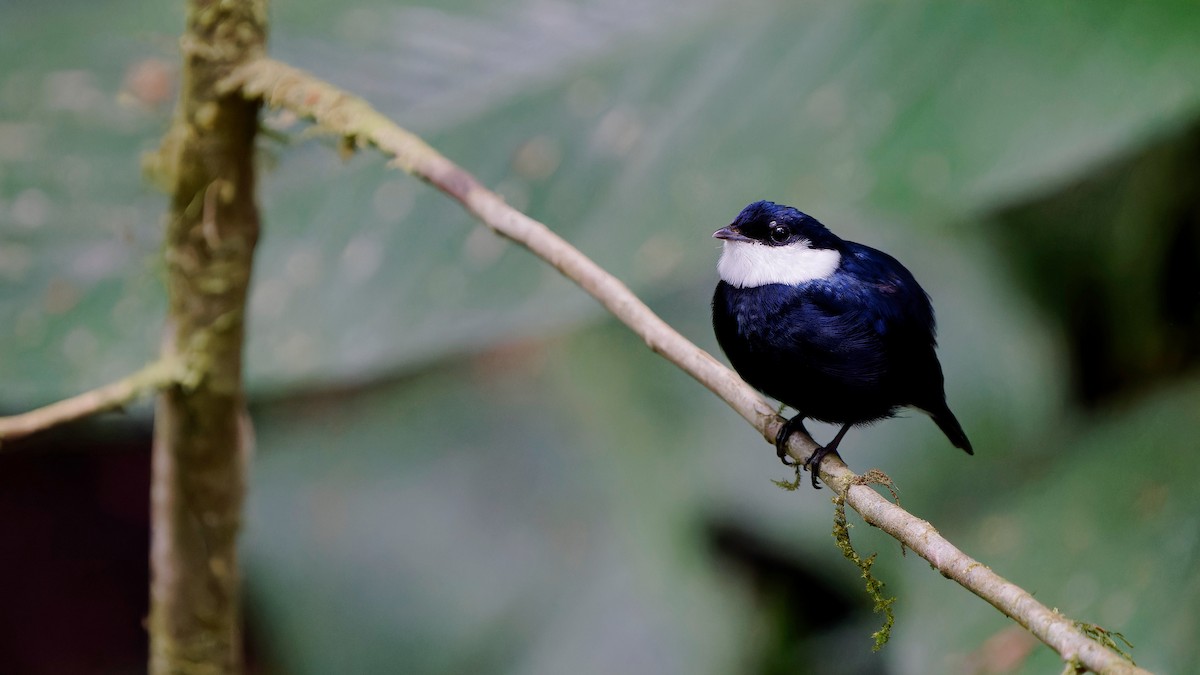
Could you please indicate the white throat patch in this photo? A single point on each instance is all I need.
(745, 264)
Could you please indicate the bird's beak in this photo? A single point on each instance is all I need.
(730, 234)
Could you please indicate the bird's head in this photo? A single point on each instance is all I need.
(770, 243)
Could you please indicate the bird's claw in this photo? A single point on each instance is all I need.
(813, 464)
(781, 451)
(781, 439)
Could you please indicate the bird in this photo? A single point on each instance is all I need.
(838, 331)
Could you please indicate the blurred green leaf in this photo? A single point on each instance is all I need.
(546, 507)
(1106, 529)
(514, 525)
(80, 300)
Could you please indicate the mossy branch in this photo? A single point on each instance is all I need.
(201, 433)
(350, 117)
(151, 378)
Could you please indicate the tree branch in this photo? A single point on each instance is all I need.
(155, 376)
(281, 85)
(201, 432)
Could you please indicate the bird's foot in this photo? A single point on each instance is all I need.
(781, 438)
(813, 463)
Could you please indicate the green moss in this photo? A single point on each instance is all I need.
(1105, 637)
(790, 485)
(206, 115)
(1074, 667)
(841, 534)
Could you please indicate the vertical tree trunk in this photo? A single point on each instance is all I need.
(201, 437)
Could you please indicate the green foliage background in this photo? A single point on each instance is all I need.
(465, 467)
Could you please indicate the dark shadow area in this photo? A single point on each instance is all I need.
(74, 558)
(811, 624)
(1113, 259)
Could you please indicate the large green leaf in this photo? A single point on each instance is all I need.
(1103, 526)
(80, 301)
(543, 508)
(514, 525)
(633, 128)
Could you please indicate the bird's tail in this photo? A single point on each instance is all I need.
(953, 430)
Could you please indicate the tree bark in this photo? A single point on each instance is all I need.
(201, 437)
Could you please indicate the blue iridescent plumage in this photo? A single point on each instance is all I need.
(848, 335)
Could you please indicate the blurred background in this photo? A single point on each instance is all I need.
(465, 467)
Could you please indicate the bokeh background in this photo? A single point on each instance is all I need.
(465, 467)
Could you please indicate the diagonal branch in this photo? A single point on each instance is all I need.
(155, 376)
(280, 85)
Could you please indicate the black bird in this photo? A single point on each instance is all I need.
(839, 331)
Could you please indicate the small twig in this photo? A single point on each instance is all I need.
(149, 379)
(281, 85)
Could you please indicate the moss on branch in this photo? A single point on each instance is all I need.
(206, 162)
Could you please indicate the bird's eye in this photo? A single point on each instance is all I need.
(780, 234)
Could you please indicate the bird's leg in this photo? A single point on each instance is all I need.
(814, 461)
(785, 432)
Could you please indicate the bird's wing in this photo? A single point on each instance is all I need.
(889, 296)
(869, 319)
